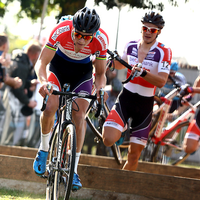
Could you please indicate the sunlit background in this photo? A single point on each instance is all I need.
(181, 32)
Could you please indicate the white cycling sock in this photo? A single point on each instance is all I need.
(44, 145)
(77, 161)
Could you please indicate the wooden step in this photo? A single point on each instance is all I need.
(109, 162)
(109, 179)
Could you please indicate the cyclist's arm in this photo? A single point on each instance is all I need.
(40, 68)
(157, 80)
(100, 71)
(44, 59)
(196, 85)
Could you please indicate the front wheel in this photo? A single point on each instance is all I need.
(68, 158)
(96, 125)
(172, 151)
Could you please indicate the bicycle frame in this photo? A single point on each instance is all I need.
(186, 116)
(63, 140)
(164, 109)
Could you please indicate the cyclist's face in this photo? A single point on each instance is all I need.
(81, 40)
(150, 32)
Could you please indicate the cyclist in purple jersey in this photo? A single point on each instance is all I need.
(135, 102)
(68, 51)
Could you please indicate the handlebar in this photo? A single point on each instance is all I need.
(114, 55)
(74, 94)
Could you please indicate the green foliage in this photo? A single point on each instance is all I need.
(33, 8)
(2, 9)
(68, 7)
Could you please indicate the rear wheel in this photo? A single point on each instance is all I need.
(156, 114)
(96, 123)
(172, 152)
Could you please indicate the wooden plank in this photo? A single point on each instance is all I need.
(102, 161)
(18, 168)
(168, 170)
(115, 180)
(18, 151)
(140, 183)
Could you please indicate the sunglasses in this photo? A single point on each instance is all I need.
(151, 30)
(85, 37)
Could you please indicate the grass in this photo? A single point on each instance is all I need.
(6, 194)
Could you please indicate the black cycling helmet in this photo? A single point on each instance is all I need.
(86, 20)
(154, 18)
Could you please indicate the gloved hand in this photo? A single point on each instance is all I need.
(185, 90)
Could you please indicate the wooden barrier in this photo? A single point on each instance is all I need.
(102, 161)
(109, 179)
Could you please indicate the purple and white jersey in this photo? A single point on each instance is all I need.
(157, 60)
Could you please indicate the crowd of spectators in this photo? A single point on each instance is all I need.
(18, 98)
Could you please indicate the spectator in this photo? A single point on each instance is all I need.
(14, 82)
(20, 99)
(6, 80)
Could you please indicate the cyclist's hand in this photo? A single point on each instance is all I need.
(138, 69)
(185, 90)
(44, 91)
(105, 96)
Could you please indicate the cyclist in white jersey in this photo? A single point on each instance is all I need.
(136, 99)
(68, 52)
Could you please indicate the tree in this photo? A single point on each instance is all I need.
(33, 8)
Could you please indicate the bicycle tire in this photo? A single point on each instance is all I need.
(65, 175)
(166, 154)
(97, 129)
(147, 152)
(69, 159)
(156, 115)
(51, 165)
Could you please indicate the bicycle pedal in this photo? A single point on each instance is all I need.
(44, 176)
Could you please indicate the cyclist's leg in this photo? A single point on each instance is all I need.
(46, 123)
(134, 151)
(191, 140)
(84, 86)
(116, 122)
(139, 130)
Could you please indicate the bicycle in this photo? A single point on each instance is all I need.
(100, 113)
(164, 141)
(62, 146)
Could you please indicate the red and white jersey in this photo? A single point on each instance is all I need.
(61, 41)
(157, 60)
